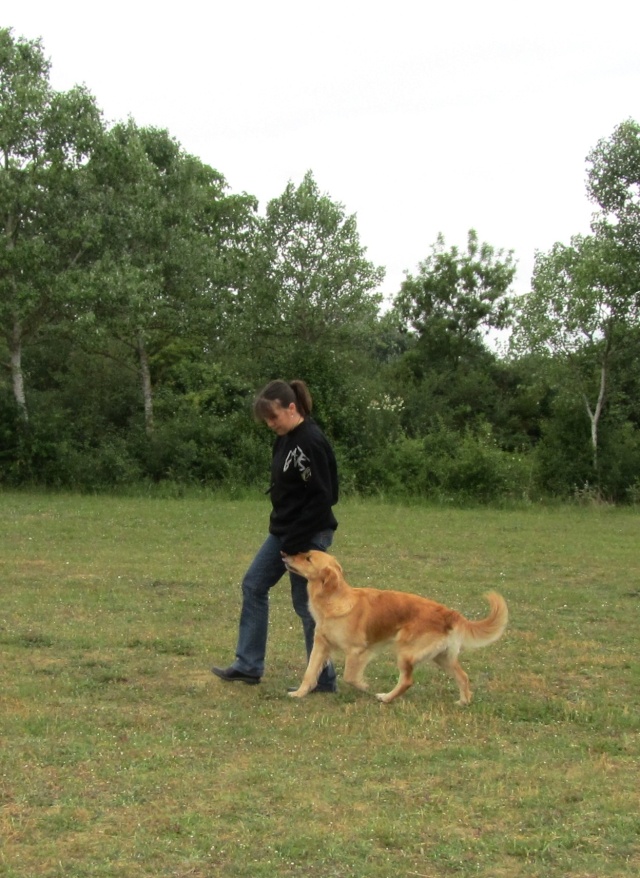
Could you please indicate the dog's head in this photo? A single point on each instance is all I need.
(313, 565)
(329, 594)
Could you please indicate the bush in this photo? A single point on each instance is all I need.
(110, 464)
(445, 465)
(207, 450)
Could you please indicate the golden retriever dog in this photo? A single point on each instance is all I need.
(359, 621)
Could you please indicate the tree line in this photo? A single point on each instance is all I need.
(142, 304)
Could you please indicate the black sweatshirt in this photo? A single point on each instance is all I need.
(304, 486)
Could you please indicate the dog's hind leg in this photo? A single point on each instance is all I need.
(450, 664)
(405, 681)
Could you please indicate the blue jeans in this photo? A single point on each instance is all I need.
(267, 568)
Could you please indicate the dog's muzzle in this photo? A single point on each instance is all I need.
(287, 563)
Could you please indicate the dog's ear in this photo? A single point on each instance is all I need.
(330, 577)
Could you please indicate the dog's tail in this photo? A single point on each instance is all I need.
(485, 631)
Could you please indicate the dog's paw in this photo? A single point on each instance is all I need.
(297, 694)
(384, 697)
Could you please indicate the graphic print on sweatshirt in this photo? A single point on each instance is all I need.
(300, 461)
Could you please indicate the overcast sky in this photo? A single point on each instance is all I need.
(419, 117)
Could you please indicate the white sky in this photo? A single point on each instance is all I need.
(418, 116)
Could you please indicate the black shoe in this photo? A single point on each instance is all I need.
(316, 690)
(231, 675)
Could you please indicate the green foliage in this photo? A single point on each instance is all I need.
(585, 304)
(47, 207)
(562, 459)
(455, 297)
(451, 384)
(208, 451)
(447, 466)
(311, 284)
(317, 273)
(619, 461)
(170, 240)
(614, 174)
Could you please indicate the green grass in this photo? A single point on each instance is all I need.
(121, 755)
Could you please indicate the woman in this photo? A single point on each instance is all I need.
(304, 487)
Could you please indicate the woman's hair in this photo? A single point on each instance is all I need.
(282, 393)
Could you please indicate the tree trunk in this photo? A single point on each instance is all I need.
(147, 392)
(17, 377)
(15, 341)
(594, 416)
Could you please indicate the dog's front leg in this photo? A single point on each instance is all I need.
(317, 660)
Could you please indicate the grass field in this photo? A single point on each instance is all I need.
(121, 755)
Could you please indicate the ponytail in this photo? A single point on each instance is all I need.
(283, 393)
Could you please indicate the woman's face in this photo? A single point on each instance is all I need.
(281, 420)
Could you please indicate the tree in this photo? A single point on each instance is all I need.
(571, 315)
(613, 180)
(310, 308)
(585, 296)
(457, 297)
(170, 238)
(47, 211)
(313, 283)
(613, 183)
(447, 309)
